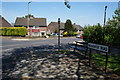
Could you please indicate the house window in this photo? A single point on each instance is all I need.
(35, 27)
(36, 33)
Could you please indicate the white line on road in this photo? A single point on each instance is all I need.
(8, 49)
(21, 39)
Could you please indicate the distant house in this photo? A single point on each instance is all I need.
(4, 22)
(37, 26)
(78, 28)
(53, 26)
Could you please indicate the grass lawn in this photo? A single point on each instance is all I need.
(113, 62)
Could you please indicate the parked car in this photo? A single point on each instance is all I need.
(79, 36)
(57, 35)
(60, 35)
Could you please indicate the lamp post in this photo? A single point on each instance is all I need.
(28, 20)
(67, 4)
(119, 5)
(105, 15)
(104, 23)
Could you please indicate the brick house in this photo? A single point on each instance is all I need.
(78, 28)
(54, 26)
(37, 26)
(4, 22)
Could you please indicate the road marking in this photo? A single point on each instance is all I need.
(21, 39)
(7, 49)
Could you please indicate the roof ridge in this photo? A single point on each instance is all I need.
(34, 18)
(56, 22)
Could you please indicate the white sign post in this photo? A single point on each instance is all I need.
(98, 47)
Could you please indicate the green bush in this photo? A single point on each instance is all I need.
(107, 35)
(48, 34)
(13, 31)
(75, 33)
(22, 31)
(3, 31)
(88, 32)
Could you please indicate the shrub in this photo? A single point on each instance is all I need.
(107, 35)
(75, 33)
(13, 31)
(88, 33)
(48, 34)
(22, 31)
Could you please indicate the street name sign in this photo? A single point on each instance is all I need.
(98, 47)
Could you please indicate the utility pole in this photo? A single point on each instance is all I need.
(58, 34)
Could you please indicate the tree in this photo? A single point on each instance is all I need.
(107, 35)
(56, 31)
(68, 26)
(112, 29)
(93, 34)
(29, 15)
(117, 15)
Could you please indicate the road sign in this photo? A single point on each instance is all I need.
(98, 47)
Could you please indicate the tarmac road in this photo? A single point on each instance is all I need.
(16, 43)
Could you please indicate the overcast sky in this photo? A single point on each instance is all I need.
(82, 13)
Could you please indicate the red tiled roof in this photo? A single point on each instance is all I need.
(4, 22)
(32, 22)
(54, 26)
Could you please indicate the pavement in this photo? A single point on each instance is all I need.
(29, 38)
(21, 39)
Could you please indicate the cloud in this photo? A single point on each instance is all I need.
(60, 0)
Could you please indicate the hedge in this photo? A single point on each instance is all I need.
(107, 35)
(13, 31)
